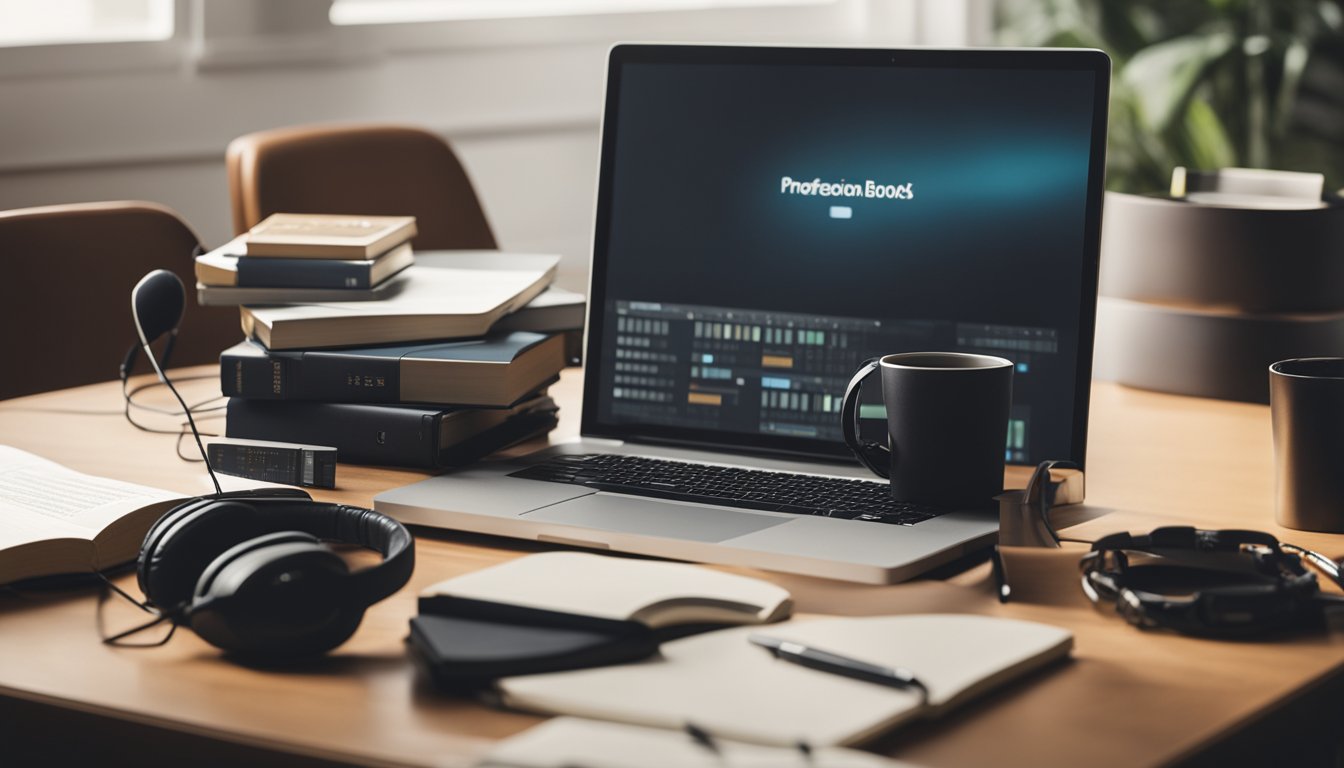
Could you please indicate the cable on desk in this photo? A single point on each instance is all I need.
(118, 638)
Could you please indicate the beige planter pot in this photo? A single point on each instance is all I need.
(1200, 299)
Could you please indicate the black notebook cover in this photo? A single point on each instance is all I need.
(462, 654)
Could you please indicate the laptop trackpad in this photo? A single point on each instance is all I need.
(651, 517)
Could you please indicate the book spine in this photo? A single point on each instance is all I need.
(255, 376)
(256, 272)
(325, 376)
(361, 434)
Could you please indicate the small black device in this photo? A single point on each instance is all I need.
(308, 466)
(1228, 583)
(248, 571)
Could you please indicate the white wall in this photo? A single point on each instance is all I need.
(520, 103)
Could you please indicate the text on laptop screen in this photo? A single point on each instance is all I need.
(772, 226)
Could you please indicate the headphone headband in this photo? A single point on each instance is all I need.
(264, 512)
(356, 525)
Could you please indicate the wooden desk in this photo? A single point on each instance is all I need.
(1128, 698)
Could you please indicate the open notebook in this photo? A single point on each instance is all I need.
(566, 742)
(569, 610)
(598, 589)
(729, 687)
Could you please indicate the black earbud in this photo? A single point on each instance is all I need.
(157, 302)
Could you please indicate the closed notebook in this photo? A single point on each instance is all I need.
(734, 689)
(457, 297)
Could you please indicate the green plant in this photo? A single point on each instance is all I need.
(1206, 83)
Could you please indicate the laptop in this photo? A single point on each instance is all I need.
(767, 219)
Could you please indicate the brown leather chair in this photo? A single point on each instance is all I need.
(358, 169)
(66, 292)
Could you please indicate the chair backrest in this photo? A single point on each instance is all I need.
(358, 169)
(68, 271)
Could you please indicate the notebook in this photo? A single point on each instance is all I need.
(601, 588)
(736, 690)
(565, 742)
(572, 610)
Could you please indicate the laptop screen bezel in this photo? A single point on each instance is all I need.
(1086, 60)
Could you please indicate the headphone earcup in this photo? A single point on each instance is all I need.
(282, 594)
(184, 541)
(212, 570)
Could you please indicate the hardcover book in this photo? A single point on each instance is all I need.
(226, 266)
(496, 370)
(393, 435)
(327, 236)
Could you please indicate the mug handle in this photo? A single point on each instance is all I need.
(874, 456)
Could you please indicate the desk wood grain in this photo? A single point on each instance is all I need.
(1127, 698)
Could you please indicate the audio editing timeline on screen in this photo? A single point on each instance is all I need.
(778, 373)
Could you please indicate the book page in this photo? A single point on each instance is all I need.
(735, 689)
(621, 589)
(40, 499)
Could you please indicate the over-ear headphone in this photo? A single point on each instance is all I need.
(248, 572)
(1215, 583)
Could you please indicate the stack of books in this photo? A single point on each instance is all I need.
(426, 365)
(293, 258)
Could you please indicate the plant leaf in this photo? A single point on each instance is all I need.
(1164, 75)
(1204, 139)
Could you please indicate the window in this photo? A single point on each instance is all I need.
(351, 12)
(28, 23)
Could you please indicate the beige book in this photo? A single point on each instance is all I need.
(327, 236)
(57, 520)
(654, 593)
(455, 298)
(732, 688)
(564, 742)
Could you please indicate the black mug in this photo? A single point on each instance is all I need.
(1306, 400)
(947, 420)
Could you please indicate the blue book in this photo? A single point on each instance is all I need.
(226, 267)
(494, 371)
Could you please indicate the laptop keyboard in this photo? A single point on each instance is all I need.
(731, 487)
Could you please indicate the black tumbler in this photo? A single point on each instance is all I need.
(1306, 398)
(947, 419)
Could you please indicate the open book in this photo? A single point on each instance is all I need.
(56, 520)
(734, 689)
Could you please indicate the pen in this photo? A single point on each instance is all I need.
(825, 661)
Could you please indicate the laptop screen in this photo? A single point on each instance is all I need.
(769, 218)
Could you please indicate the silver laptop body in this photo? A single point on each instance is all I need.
(721, 332)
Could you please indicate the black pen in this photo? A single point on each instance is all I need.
(825, 661)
